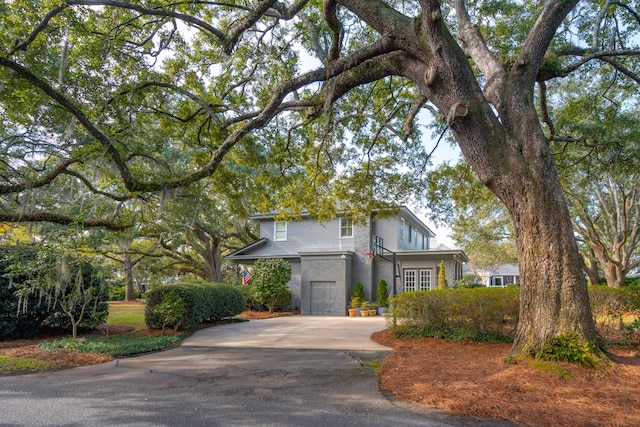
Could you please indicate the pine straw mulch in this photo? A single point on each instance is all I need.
(472, 378)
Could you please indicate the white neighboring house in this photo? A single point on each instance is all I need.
(634, 272)
(499, 276)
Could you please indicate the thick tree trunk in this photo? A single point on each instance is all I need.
(614, 274)
(129, 294)
(591, 270)
(553, 294)
(499, 133)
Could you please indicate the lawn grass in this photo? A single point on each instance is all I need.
(123, 314)
(129, 344)
(19, 365)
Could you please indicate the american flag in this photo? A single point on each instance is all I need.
(246, 276)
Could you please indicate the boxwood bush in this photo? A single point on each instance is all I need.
(479, 314)
(202, 301)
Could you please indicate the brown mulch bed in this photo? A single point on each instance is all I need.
(472, 378)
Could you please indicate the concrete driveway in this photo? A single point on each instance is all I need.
(288, 371)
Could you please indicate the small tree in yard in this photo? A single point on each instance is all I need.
(382, 294)
(171, 310)
(270, 278)
(442, 281)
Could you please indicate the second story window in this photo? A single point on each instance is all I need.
(280, 231)
(346, 227)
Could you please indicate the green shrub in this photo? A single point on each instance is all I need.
(270, 278)
(382, 294)
(610, 306)
(116, 292)
(632, 282)
(283, 302)
(170, 310)
(250, 297)
(17, 319)
(41, 287)
(480, 314)
(468, 281)
(202, 301)
(116, 346)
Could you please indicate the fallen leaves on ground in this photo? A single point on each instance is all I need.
(472, 378)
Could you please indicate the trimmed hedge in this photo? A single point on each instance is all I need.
(482, 314)
(611, 305)
(202, 301)
(479, 314)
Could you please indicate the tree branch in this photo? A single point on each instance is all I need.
(62, 220)
(46, 180)
(475, 47)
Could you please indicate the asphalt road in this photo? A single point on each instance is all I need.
(288, 371)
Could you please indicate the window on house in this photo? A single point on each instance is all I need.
(425, 280)
(410, 233)
(511, 280)
(346, 227)
(402, 228)
(280, 231)
(409, 280)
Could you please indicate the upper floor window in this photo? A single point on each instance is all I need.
(410, 234)
(280, 231)
(346, 227)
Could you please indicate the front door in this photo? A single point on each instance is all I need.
(323, 299)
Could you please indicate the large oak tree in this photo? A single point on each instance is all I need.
(148, 96)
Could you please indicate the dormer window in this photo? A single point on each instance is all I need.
(346, 227)
(280, 231)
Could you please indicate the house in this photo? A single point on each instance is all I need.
(635, 271)
(500, 275)
(328, 258)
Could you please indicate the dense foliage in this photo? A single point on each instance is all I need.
(202, 301)
(382, 293)
(39, 288)
(481, 314)
(115, 346)
(270, 278)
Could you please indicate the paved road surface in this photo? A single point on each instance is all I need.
(288, 371)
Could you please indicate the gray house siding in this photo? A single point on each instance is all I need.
(326, 271)
(295, 282)
(305, 236)
(387, 228)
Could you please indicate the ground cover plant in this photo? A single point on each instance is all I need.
(114, 346)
